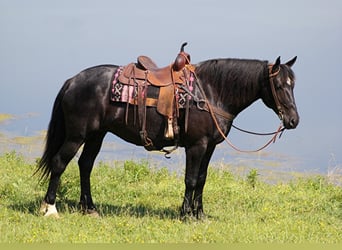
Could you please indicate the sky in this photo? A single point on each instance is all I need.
(43, 43)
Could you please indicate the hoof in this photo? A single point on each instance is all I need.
(186, 216)
(91, 213)
(201, 216)
(198, 215)
(48, 210)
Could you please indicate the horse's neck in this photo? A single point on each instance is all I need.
(237, 94)
(232, 84)
(245, 96)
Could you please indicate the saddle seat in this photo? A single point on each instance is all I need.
(159, 76)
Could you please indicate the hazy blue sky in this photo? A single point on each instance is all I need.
(45, 42)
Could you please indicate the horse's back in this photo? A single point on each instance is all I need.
(84, 101)
(88, 85)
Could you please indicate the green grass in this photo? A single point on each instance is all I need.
(139, 204)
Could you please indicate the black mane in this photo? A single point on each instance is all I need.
(231, 70)
(235, 79)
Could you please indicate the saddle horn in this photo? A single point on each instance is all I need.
(183, 45)
(182, 59)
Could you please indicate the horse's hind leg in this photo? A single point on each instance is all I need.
(91, 149)
(59, 163)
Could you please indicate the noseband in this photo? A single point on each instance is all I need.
(271, 77)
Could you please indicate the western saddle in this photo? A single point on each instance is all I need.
(144, 73)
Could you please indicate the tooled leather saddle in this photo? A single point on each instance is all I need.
(142, 75)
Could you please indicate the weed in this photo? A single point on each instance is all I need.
(136, 171)
(252, 177)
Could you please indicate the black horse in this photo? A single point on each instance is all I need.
(83, 114)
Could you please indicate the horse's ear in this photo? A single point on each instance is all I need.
(291, 62)
(276, 65)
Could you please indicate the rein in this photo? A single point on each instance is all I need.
(255, 133)
(272, 140)
(213, 110)
(274, 94)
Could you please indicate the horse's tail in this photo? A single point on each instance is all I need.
(55, 135)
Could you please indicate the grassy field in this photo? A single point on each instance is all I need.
(140, 204)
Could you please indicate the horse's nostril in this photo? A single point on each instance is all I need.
(293, 122)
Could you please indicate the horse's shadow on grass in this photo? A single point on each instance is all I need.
(31, 207)
(104, 209)
(138, 210)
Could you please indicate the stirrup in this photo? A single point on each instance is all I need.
(169, 134)
(167, 151)
(147, 142)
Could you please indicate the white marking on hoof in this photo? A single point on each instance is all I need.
(49, 210)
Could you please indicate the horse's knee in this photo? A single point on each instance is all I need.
(190, 183)
(58, 166)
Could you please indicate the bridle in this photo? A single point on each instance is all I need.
(215, 111)
(271, 77)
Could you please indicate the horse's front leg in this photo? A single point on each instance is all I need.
(194, 156)
(202, 176)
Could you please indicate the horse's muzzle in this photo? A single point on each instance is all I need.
(291, 122)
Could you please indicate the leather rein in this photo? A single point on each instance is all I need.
(216, 111)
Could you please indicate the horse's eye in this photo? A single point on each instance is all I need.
(278, 85)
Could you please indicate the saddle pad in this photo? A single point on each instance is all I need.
(128, 93)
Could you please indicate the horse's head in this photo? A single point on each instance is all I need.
(280, 95)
